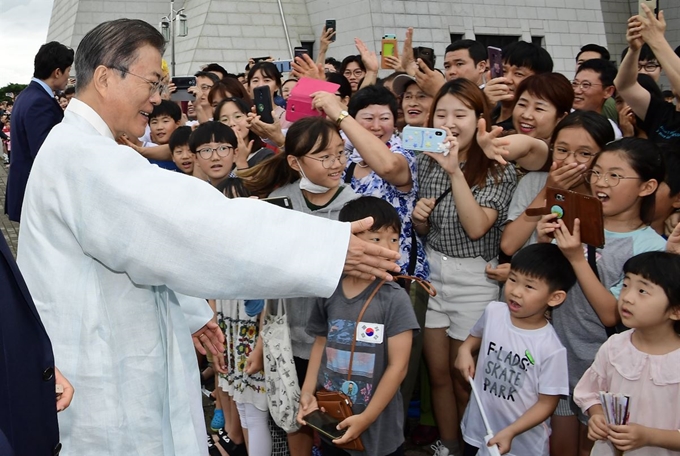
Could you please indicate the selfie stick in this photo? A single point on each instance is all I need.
(493, 449)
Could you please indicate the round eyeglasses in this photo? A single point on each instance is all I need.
(327, 161)
(613, 179)
(154, 86)
(206, 153)
(582, 156)
(585, 85)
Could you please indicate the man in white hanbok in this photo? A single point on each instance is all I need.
(117, 253)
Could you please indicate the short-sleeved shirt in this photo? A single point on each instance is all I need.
(514, 366)
(447, 234)
(389, 313)
(527, 189)
(403, 202)
(575, 321)
(662, 122)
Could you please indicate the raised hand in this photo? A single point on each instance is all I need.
(369, 57)
(494, 148)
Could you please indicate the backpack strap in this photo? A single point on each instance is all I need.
(350, 172)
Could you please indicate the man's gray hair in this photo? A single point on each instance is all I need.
(114, 44)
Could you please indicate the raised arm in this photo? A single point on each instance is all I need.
(626, 79)
(390, 166)
(529, 153)
(652, 32)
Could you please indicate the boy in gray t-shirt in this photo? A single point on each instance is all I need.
(382, 350)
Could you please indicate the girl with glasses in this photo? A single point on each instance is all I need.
(575, 142)
(624, 177)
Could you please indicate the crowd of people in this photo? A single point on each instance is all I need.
(539, 322)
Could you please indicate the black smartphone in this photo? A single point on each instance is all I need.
(425, 54)
(325, 424)
(182, 83)
(260, 59)
(300, 51)
(330, 24)
(281, 201)
(495, 62)
(262, 97)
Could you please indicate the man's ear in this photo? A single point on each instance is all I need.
(556, 298)
(609, 92)
(648, 187)
(293, 163)
(482, 66)
(101, 79)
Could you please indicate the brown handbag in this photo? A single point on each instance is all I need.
(336, 403)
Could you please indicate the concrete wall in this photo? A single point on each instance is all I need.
(231, 31)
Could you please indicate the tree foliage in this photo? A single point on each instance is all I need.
(11, 88)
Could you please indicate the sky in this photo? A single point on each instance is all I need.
(23, 29)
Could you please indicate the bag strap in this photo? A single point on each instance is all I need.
(423, 283)
(442, 196)
(413, 255)
(427, 286)
(356, 327)
(350, 172)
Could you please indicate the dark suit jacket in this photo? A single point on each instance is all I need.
(33, 116)
(28, 410)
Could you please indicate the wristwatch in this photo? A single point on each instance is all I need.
(341, 117)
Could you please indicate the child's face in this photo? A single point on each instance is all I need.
(215, 160)
(184, 158)
(385, 237)
(451, 112)
(626, 195)
(534, 116)
(575, 145)
(317, 167)
(231, 115)
(529, 297)
(643, 304)
(162, 128)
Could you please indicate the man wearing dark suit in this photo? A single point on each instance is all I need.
(35, 112)
(28, 408)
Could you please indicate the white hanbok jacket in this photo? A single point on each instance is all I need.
(113, 247)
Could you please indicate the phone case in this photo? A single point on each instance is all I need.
(284, 66)
(331, 24)
(281, 201)
(424, 139)
(652, 4)
(299, 103)
(495, 62)
(263, 103)
(389, 48)
(568, 206)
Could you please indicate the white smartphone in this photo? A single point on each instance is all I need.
(424, 139)
(651, 4)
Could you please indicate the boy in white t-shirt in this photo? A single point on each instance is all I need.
(522, 367)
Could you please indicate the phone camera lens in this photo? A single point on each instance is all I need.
(438, 133)
(559, 197)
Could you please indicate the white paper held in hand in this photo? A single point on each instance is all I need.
(493, 449)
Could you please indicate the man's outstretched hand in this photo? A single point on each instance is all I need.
(210, 338)
(366, 260)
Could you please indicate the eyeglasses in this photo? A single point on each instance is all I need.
(206, 153)
(649, 67)
(329, 160)
(356, 73)
(585, 85)
(581, 157)
(205, 87)
(154, 86)
(613, 179)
